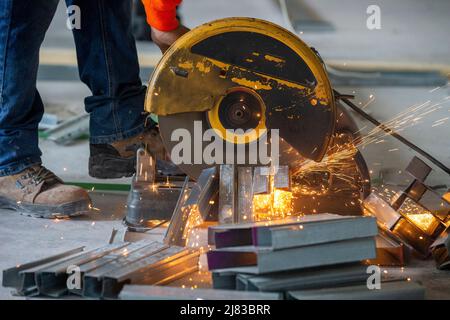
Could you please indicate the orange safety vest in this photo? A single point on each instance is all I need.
(162, 14)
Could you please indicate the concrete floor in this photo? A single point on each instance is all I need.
(25, 239)
(405, 38)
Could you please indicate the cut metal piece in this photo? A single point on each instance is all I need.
(148, 201)
(261, 180)
(145, 166)
(227, 194)
(399, 224)
(177, 225)
(244, 194)
(418, 169)
(440, 250)
(433, 202)
(385, 214)
(203, 193)
(282, 179)
(390, 250)
(132, 292)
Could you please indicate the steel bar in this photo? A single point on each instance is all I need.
(227, 194)
(244, 194)
(175, 230)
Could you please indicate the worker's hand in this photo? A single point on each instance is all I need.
(164, 39)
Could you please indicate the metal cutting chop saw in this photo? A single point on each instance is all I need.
(238, 74)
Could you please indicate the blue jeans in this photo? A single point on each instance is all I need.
(107, 63)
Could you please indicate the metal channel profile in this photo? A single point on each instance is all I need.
(327, 277)
(51, 280)
(155, 268)
(227, 194)
(224, 280)
(93, 280)
(18, 278)
(108, 259)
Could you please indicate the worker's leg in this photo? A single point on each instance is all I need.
(108, 64)
(22, 28)
(25, 185)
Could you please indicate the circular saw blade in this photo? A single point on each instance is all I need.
(201, 69)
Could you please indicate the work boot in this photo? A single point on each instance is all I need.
(38, 192)
(118, 159)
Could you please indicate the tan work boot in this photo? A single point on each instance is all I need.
(38, 192)
(118, 159)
